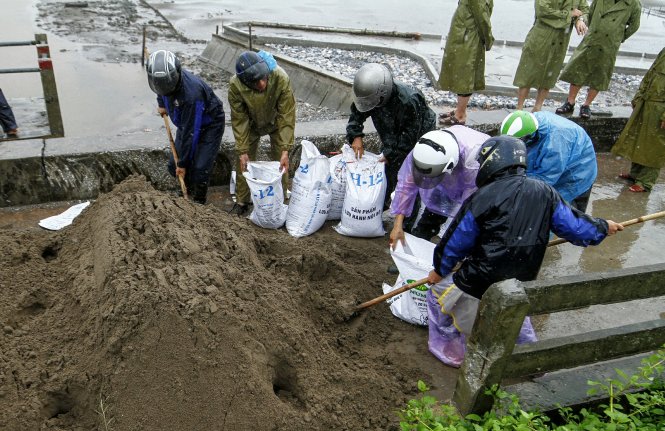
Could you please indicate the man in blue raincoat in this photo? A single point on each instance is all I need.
(559, 152)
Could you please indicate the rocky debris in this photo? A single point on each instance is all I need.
(410, 72)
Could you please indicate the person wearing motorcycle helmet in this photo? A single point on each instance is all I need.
(198, 115)
(501, 232)
(441, 169)
(262, 103)
(400, 115)
(559, 152)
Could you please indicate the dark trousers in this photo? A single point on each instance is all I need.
(392, 169)
(582, 201)
(7, 119)
(428, 226)
(200, 169)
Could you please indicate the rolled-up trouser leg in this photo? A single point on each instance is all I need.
(645, 176)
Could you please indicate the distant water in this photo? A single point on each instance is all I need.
(511, 19)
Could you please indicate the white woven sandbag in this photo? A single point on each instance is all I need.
(265, 185)
(310, 193)
(363, 200)
(338, 187)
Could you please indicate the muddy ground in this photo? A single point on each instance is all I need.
(179, 316)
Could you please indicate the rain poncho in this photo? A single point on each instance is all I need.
(610, 24)
(470, 35)
(192, 108)
(446, 198)
(271, 112)
(643, 140)
(502, 230)
(546, 44)
(255, 114)
(399, 123)
(7, 120)
(563, 157)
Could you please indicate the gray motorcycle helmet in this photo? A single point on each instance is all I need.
(372, 86)
(497, 154)
(163, 72)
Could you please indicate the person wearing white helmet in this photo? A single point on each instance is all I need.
(441, 169)
(400, 115)
(501, 232)
(198, 114)
(559, 152)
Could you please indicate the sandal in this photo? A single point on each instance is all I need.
(451, 121)
(445, 115)
(636, 188)
(626, 177)
(585, 112)
(566, 108)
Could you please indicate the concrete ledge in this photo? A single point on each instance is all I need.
(569, 387)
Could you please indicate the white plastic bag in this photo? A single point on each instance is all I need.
(363, 200)
(265, 185)
(338, 187)
(310, 193)
(414, 262)
(232, 184)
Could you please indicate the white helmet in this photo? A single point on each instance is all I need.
(435, 154)
(372, 86)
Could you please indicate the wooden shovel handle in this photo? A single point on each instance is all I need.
(623, 223)
(175, 154)
(393, 293)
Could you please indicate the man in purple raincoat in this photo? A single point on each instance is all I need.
(441, 168)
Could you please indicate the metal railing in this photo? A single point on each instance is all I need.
(45, 69)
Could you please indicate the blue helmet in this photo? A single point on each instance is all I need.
(250, 68)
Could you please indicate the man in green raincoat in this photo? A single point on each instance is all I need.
(463, 65)
(546, 45)
(611, 22)
(643, 139)
(262, 103)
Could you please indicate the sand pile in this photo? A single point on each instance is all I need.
(182, 317)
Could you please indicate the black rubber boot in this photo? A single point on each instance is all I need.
(200, 193)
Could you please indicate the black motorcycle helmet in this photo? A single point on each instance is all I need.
(163, 72)
(251, 68)
(497, 154)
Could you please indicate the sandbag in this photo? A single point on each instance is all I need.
(414, 262)
(310, 193)
(363, 199)
(338, 187)
(265, 185)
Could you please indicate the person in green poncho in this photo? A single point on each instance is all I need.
(611, 22)
(262, 103)
(546, 45)
(463, 65)
(643, 139)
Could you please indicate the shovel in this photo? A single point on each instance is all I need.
(424, 280)
(175, 154)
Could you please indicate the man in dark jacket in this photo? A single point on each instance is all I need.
(400, 115)
(501, 232)
(7, 120)
(197, 113)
